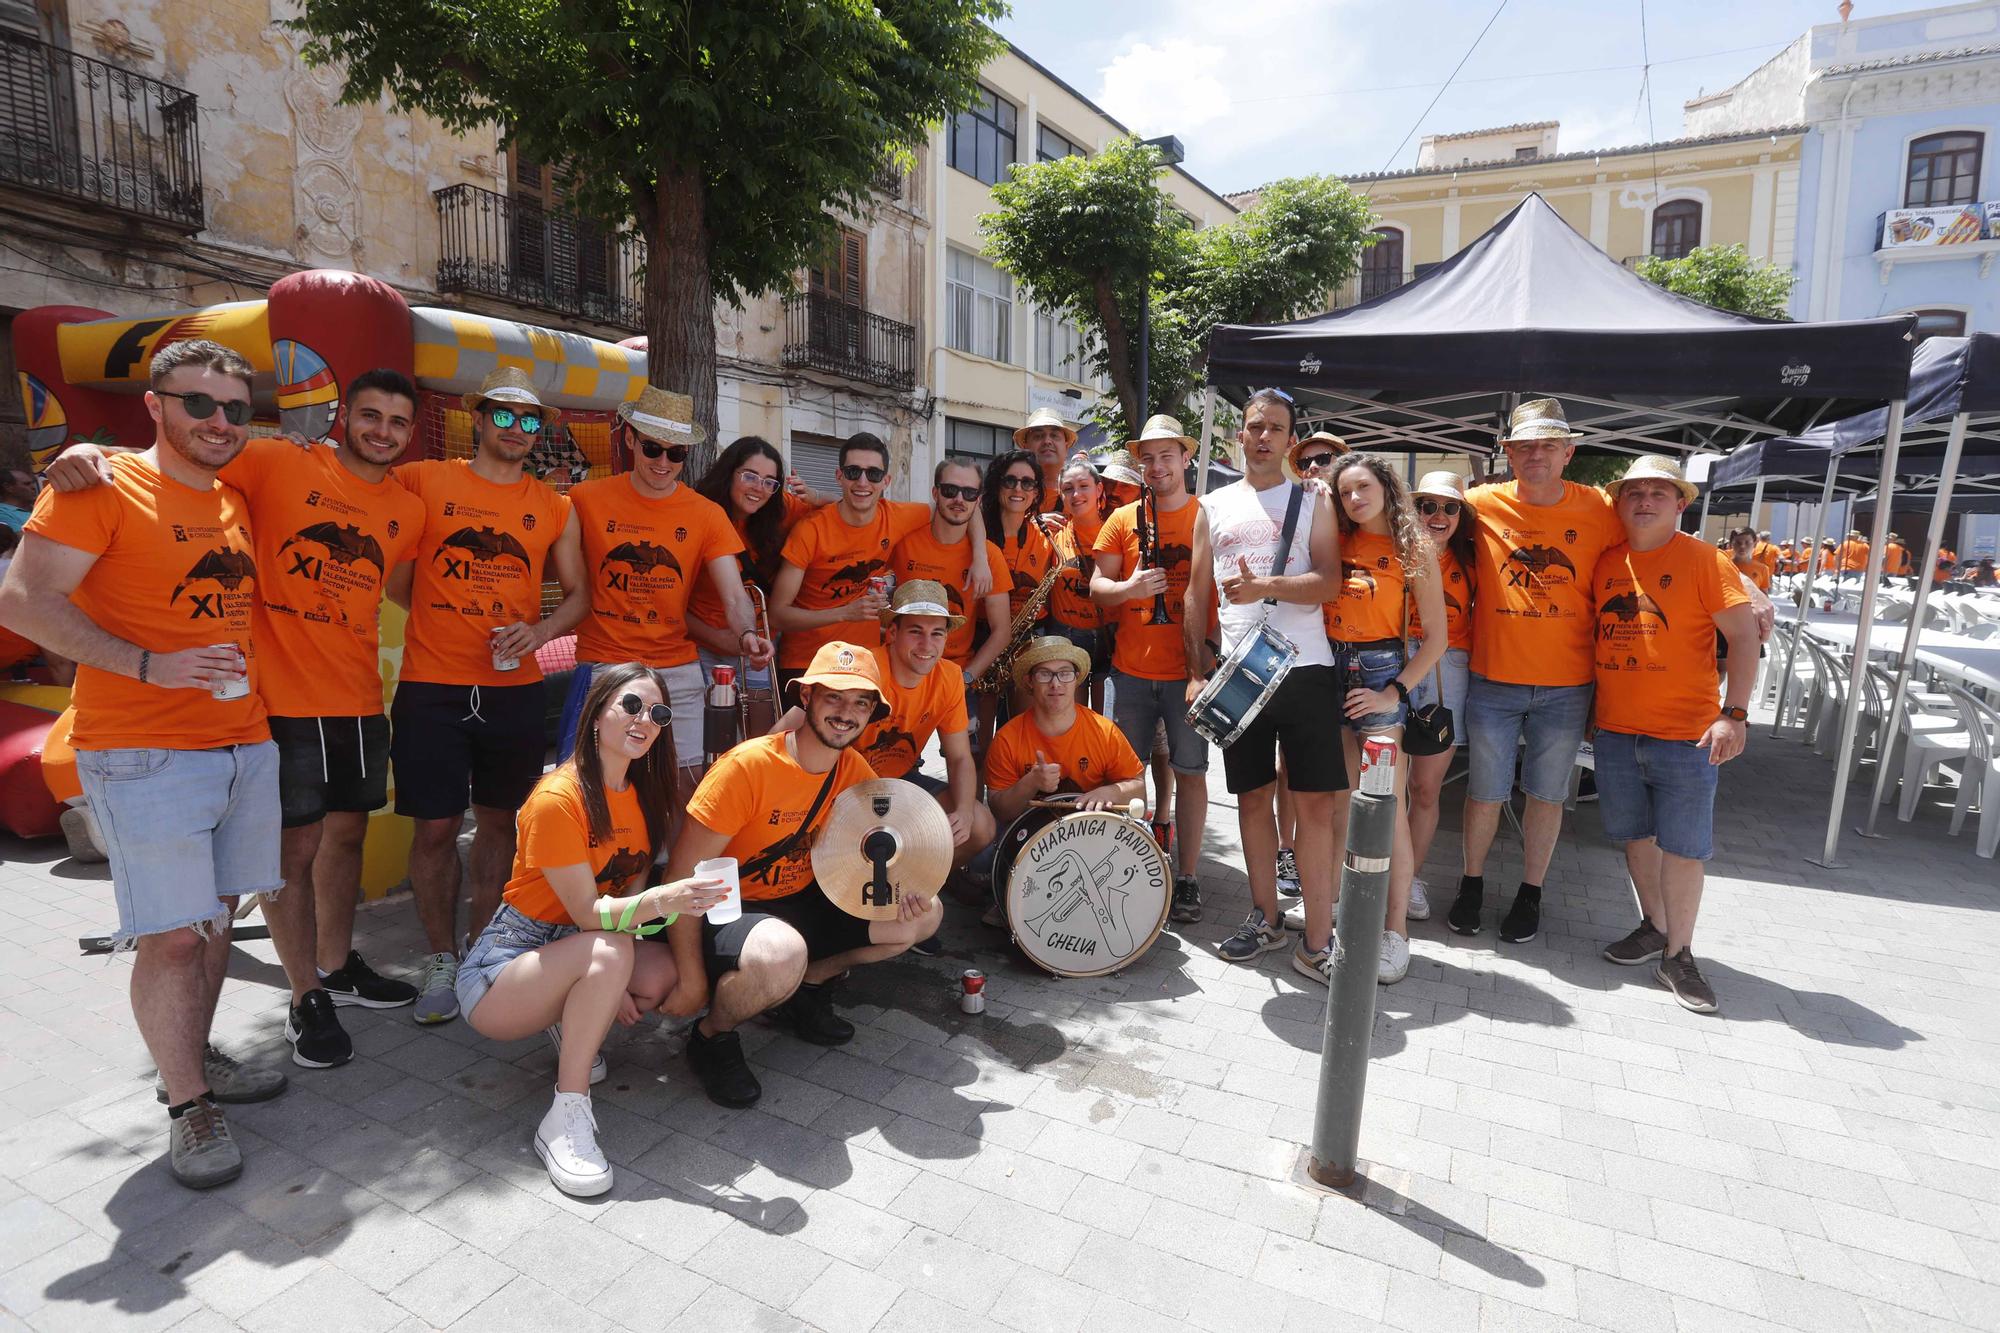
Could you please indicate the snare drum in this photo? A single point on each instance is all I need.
(1085, 893)
(1242, 685)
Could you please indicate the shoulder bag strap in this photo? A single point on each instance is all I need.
(770, 856)
(1285, 536)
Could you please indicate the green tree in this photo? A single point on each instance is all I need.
(1089, 237)
(1726, 277)
(723, 132)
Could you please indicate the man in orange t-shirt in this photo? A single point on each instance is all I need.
(1049, 438)
(469, 713)
(1896, 557)
(1662, 599)
(1766, 554)
(1851, 556)
(943, 553)
(1059, 745)
(763, 803)
(149, 584)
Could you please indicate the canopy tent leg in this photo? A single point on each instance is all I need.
(1954, 445)
(1701, 528)
(1757, 506)
(1857, 687)
(1201, 442)
(1778, 727)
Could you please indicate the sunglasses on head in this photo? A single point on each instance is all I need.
(634, 705)
(676, 453)
(1449, 508)
(504, 418)
(855, 472)
(758, 480)
(1017, 482)
(201, 406)
(1308, 462)
(953, 491)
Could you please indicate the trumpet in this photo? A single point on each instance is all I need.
(1149, 550)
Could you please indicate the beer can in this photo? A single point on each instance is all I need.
(236, 686)
(882, 585)
(1378, 766)
(502, 663)
(972, 991)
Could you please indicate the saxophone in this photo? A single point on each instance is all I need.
(1000, 676)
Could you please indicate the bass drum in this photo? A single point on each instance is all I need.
(1085, 892)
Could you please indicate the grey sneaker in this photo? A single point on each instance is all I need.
(204, 1153)
(1643, 945)
(229, 1081)
(1317, 965)
(437, 992)
(1679, 975)
(599, 1071)
(1420, 901)
(1288, 873)
(1255, 936)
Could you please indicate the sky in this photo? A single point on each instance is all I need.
(1260, 89)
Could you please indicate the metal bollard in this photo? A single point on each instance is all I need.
(1350, 1001)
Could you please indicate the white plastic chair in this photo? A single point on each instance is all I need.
(1915, 719)
(1989, 775)
(1982, 728)
(1927, 752)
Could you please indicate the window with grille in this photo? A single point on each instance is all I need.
(1052, 144)
(1676, 228)
(1944, 169)
(975, 439)
(1382, 264)
(980, 307)
(981, 142)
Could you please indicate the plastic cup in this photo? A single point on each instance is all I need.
(502, 663)
(236, 686)
(724, 869)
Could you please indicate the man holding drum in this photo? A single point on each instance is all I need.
(1237, 537)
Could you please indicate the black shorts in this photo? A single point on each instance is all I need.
(826, 929)
(329, 765)
(447, 742)
(1303, 720)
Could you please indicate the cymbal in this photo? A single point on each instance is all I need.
(900, 819)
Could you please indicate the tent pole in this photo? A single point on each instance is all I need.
(1954, 445)
(1757, 506)
(1201, 442)
(1805, 605)
(1857, 686)
(1701, 528)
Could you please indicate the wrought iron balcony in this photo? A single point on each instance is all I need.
(516, 250)
(827, 333)
(84, 130)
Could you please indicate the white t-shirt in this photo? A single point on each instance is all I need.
(1246, 522)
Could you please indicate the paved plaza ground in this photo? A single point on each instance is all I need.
(1550, 1141)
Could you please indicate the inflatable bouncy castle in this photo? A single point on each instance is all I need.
(83, 375)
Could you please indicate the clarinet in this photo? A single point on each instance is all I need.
(1149, 550)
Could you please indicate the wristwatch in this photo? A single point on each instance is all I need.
(1736, 714)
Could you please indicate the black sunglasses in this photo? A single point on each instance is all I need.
(1449, 508)
(1016, 482)
(855, 472)
(1311, 461)
(676, 453)
(953, 491)
(201, 406)
(634, 705)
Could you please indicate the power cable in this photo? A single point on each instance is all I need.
(1442, 89)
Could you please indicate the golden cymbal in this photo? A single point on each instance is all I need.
(901, 821)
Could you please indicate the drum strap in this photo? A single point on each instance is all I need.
(1285, 537)
(770, 856)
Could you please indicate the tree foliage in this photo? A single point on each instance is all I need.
(1726, 277)
(1089, 238)
(724, 132)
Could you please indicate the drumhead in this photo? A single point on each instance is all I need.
(1086, 893)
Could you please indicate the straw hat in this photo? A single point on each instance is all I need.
(1118, 466)
(1291, 462)
(922, 597)
(1050, 648)
(1653, 467)
(509, 385)
(1442, 485)
(1538, 419)
(1044, 416)
(663, 416)
(1164, 427)
(843, 666)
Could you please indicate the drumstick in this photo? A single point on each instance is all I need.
(1136, 807)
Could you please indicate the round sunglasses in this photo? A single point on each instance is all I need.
(201, 406)
(634, 705)
(506, 418)
(1429, 508)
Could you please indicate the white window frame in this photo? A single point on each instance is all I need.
(979, 316)
(1062, 335)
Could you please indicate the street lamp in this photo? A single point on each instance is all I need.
(1171, 154)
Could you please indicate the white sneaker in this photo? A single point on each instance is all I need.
(598, 1069)
(1294, 917)
(1420, 901)
(1393, 963)
(437, 992)
(566, 1141)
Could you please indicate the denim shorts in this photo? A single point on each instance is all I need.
(1499, 715)
(1454, 673)
(1369, 666)
(1659, 789)
(506, 937)
(185, 829)
(1139, 705)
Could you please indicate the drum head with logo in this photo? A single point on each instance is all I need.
(1086, 893)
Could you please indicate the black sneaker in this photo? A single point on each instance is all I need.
(1524, 919)
(1464, 915)
(354, 982)
(1187, 899)
(1679, 975)
(1643, 945)
(809, 1014)
(313, 1028)
(719, 1064)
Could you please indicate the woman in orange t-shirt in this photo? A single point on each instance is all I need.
(1446, 518)
(1071, 612)
(747, 480)
(564, 953)
(1012, 505)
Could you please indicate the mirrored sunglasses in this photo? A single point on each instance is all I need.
(505, 418)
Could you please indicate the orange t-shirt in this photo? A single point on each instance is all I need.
(479, 565)
(1829, 558)
(1457, 604)
(176, 569)
(1069, 600)
(1531, 622)
(1370, 605)
(1758, 574)
(326, 541)
(1851, 555)
(922, 556)
(553, 829)
(934, 704)
(706, 603)
(59, 759)
(757, 795)
(1947, 559)
(641, 556)
(1149, 652)
(1655, 629)
(1896, 559)
(1765, 554)
(1092, 752)
(1027, 561)
(838, 559)
(14, 649)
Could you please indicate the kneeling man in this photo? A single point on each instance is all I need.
(763, 803)
(1058, 745)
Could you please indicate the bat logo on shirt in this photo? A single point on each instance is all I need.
(1453, 604)
(1172, 556)
(1534, 562)
(1629, 606)
(642, 556)
(224, 565)
(1025, 582)
(858, 572)
(345, 544)
(485, 544)
(1356, 574)
(624, 864)
(889, 742)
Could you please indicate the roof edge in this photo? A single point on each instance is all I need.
(1630, 150)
